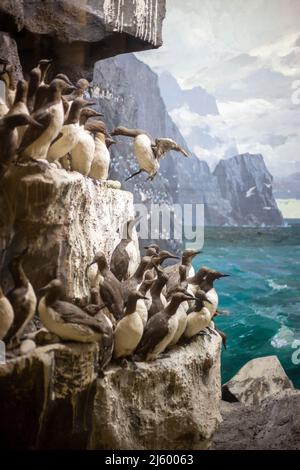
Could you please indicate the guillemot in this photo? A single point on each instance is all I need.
(158, 300)
(9, 137)
(129, 329)
(66, 320)
(68, 136)
(148, 151)
(109, 286)
(134, 282)
(21, 297)
(101, 161)
(160, 329)
(6, 315)
(204, 280)
(173, 270)
(36, 141)
(199, 317)
(125, 256)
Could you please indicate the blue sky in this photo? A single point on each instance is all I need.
(247, 54)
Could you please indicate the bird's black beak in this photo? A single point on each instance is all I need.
(181, 150)
(44, 289)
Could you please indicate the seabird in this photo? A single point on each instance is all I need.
(10, 89)
(20, 105)
(6, 315)
(36, 141)
(173, 270)
(125, 256)
(143, 305)
(66, 320)
(204, 280)
(22, 298)
(129, 329)
(134, 282)
(69, 135)
(100, 164)
(158, 300)
(9, 137)
(160, 329)
(109, 286)
(199, 317)
(148, 151)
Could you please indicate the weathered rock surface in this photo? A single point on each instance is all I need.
(76, 34)
(47, 398)
(274, 424)
(172, 403)
(51, 399)
(256, 380)
(246, 183)
(64, 218)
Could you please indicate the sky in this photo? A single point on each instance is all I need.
(246, 54)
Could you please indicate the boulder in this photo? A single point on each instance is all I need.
(274, 424)
(64, 218)
(256, 380)
(171, 403)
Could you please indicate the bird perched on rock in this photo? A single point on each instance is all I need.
(21, 297)
(158, 300)
(110, 287)
(204, 280)
(129, 329)
(36, 141)
(9, 137)
(20, 106)
(68, 137)
(134, 282)
(125, 256)
(173, 270)
(160, 329)
(100, 164)
(143, 305)
(66, 320)
(148, 151)
(181, 313)
(199, 317)
(6, 315)
(7, 76)
(37, 85)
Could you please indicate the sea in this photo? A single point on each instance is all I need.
(261, 298)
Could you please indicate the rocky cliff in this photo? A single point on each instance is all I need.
(246, 183)
(128, 93)
(77, 33)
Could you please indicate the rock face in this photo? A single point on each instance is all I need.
(261, 411)
(256, 380)
(246, 183)
(58, 402)
(172, 403)
(128, 93)
(272, 425)
(76, 34)
(48, 396)
(64, 218)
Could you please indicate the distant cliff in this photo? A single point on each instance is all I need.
(128, 93)
(246, 183)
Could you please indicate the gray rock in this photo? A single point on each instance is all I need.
(274, 424)
(171, 403)
(50, 401)
(256, 380)
(48, 396)
(246, 183)
(64, 218)
(76, 34)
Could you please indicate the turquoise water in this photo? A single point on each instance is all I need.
(262, 294)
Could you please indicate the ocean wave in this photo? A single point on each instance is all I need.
(283, 338)
(276, 286)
